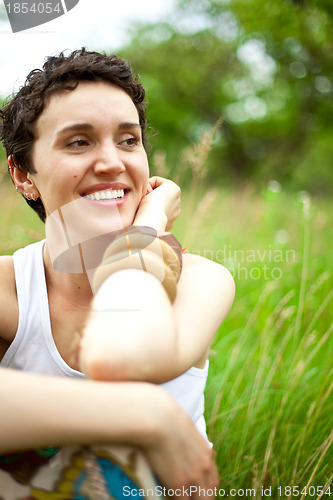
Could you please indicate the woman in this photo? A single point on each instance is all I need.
(75, 139)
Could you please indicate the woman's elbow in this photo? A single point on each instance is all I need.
(149, 360)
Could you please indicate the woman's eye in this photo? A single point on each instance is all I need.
(130, 141)
(78, 143)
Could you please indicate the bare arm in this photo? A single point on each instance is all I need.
(8, 303)
(39, 411)
(135, 333)
(139, 335)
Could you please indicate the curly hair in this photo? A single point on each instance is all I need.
(18, 117)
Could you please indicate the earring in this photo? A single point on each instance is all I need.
(30, 197)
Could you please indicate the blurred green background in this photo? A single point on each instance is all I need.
(265, 67)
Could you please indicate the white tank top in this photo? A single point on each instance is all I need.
(34, 350)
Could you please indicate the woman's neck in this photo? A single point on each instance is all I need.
(75, 287)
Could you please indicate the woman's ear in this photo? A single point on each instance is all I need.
(11, 166)
(23, 180)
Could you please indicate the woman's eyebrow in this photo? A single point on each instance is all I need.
(75, 127)
(87, 126)
(127, 125)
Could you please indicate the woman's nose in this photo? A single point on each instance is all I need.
(108, 160)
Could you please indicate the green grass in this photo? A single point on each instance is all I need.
(269, 402)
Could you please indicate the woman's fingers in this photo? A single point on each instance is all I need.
(182, 459)
(149, 188)
(161, 205)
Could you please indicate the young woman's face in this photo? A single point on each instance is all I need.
(89, 148)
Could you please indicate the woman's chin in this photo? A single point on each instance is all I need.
(80, 221)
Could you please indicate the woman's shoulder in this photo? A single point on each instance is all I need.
(209, 269)
(8, 299)
(6, 270)
(210, 279)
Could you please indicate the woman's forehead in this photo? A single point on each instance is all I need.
(89, 101)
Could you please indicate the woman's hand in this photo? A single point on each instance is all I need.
(160, 207)
(180, 456)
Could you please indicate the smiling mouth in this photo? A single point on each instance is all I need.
(107, 194)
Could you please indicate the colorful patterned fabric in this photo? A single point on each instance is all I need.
(76, 473)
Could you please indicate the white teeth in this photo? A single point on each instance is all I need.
(109, 194)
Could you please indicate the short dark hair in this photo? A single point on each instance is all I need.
(18, 117)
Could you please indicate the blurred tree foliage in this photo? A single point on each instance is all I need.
(266, 67)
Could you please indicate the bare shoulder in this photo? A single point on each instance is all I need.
(8, 299)
(211, 273)
(7, 274)
(208, 283)
(205, 294)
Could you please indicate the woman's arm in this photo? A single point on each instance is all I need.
(8, 303)
(145, 337)
(38, 411)
(134, 332)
